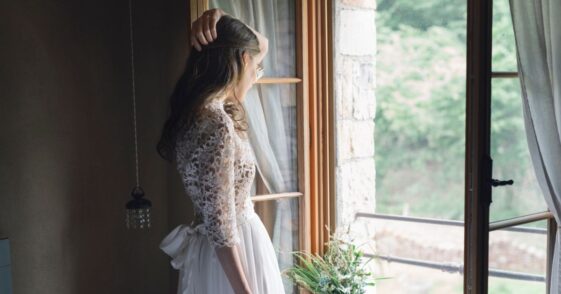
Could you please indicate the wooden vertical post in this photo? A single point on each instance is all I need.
(478, 161)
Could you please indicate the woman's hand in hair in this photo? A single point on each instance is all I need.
(203, 29)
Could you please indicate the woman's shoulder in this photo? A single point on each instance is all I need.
(211, 118)
(209, 126)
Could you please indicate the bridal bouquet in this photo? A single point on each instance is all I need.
(340, 271)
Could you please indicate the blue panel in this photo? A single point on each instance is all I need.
(4, 252)
(5, 280)
(5, 271)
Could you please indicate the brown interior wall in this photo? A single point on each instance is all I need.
(66, 143)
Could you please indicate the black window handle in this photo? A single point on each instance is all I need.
(496, 183)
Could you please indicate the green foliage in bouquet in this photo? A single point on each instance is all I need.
(340, 271)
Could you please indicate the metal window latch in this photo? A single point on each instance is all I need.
(496, 183)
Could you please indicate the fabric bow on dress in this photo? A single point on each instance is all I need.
(183, 244)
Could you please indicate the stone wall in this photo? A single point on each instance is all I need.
(355, 106)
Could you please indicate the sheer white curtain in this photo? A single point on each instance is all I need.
(537, 28)
(270, 124)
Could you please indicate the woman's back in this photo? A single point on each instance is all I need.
(217, 168)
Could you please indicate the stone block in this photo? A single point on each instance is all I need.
(356, 189)
(362, 138)
(343, 139)
(344, 85)
(360, 3)
(357, 33)
(364, 106)
(363, 181)
(367, 74)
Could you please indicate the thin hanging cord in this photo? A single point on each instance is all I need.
(133, 95)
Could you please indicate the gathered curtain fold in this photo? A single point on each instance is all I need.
(537, 29)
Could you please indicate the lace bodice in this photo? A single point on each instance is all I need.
(217, 168)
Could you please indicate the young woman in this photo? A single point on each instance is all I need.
(227, 248)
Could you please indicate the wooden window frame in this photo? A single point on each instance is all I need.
(479, 164)
(478, 161)
(315, 118)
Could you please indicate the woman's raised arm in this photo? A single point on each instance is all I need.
(203, 31)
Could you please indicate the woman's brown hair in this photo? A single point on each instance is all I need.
(213, 71)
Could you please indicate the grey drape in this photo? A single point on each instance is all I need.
(537, 28)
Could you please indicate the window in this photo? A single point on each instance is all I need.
(511, 160)
(496, 148)
(433, 180)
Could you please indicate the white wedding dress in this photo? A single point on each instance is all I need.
(217, 167)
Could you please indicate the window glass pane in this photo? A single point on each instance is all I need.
(504, 46)
(280, 217)
(409, 279)
(509, 286)
(276, 20)
(520, 253)
(511, 156)
(271, 113)
(420, 119)
(438, 245)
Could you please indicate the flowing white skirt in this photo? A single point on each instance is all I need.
(200, 271)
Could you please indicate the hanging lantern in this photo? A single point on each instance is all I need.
(138, 209)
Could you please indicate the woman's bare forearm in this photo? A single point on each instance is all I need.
(231, 263)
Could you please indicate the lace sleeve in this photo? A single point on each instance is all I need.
(216, 178)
